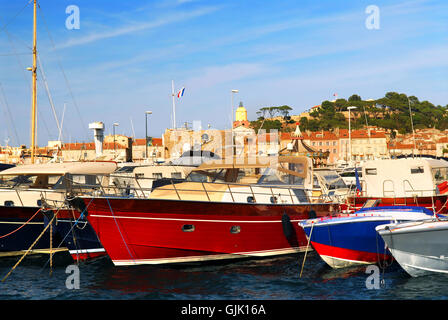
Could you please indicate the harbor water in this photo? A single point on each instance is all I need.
(264, 279)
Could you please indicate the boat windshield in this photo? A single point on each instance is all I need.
(282, 174)
(29, 181)
(350, 173)
(333, 180)
(439, 175)
(273, 176)
(15, 181)
(48, 181)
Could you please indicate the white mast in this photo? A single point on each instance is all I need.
(174, 105)
(62, 123)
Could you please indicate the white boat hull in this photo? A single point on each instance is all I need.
(417, 265)
(419, 248)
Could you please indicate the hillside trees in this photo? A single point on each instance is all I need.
(391, 112)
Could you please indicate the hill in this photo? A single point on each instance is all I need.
(391, 112)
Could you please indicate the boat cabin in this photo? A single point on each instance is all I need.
(285, 170)
(330, 183)
(283, 179)
(408, 177)
(26, 185)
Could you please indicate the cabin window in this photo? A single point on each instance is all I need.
(235, 229)
(157, 175)
(273, 199)
(203, 176)
(176, 175)
(439, 175)
(371, 171)
(250, 199)
(248, 175)
(39, 203)
(417, 170)
(126, 169)
(188, 228)
(9, 203)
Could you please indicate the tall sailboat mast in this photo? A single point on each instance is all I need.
(174, 104)
(34, 96)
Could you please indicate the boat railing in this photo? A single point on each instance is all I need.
(387, 193)
(137, 187)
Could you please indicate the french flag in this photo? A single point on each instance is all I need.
(181, 92)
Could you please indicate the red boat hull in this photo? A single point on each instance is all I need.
(150, 231)
(351, 257)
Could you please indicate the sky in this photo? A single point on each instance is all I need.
(122, 59)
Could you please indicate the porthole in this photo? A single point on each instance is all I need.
(39, 203)
(273, 199)
(235, 229)
(188, 228)
(250, 199)
(9, 203)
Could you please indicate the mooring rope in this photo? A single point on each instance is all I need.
(31, 247)
(71, 229)
(308, 244)
(14, 231)
(122, 238)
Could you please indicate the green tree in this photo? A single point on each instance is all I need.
(354, 97)
(284, 110)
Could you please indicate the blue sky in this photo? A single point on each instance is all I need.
(122, 59)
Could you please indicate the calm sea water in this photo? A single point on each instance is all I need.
(267, 279)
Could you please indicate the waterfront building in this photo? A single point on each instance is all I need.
(324, 141)
(365, 145)
(442, 147)
(154, 149)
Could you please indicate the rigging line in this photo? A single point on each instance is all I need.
(9, 114)
(10, 36)
(50, 99)
(81, 216)
(118, 227)
(22, 68)
(31, 247)
(13, 18)
(83, 123)
(39, 116)
(62, 123)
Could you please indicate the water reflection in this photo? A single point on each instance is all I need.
(273, 278)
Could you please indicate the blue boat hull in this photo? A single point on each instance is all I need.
(18, 232)
(346, 240)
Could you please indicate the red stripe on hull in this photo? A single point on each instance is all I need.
(347, 254)
(87, 256)
(439, 202)
(152, 229)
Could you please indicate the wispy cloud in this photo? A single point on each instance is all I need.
(214, 75)
(136, 27)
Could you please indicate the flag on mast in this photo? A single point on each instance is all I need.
(181, 92)
(358, 183)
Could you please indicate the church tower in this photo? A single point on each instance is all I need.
(241, 117)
